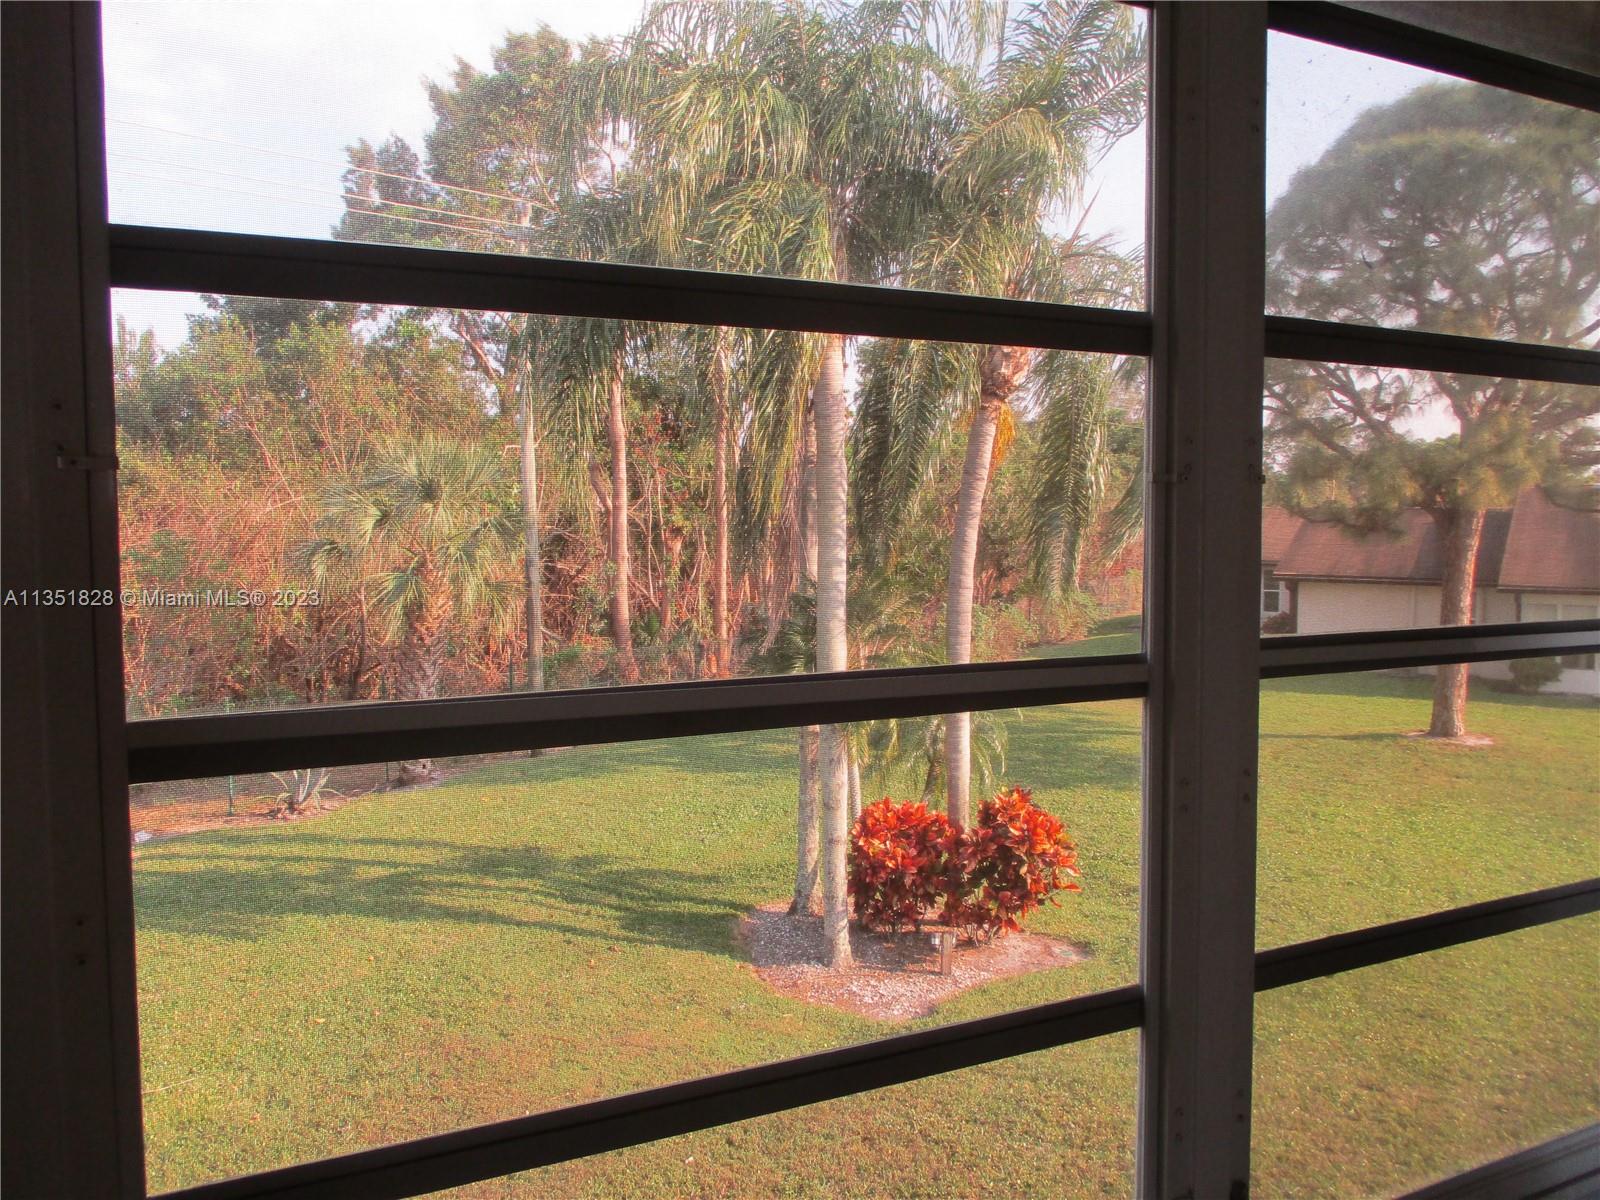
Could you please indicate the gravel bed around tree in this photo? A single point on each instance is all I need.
(896, 976)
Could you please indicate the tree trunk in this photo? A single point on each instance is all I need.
(533, 569)
(807, 885)
(828, 408)
(958, 602)
(1000, 375)
(719, 487)
(808, 854)
(807, 516)
(1460, 531)
(421, 663)
(855, 789)
(621, 560)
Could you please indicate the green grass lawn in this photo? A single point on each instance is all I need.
(552, 930)
(1120, 635)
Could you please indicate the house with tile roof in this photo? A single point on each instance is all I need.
(1537, 561)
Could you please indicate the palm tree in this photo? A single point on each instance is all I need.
(1059, 79)
(881, 628)
(825, 119)
(917, 743)
(426, 530)
(1085, 473)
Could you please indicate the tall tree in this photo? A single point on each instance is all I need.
(1455, 209)
(1038, 94)
(826, 116)
(511, 154)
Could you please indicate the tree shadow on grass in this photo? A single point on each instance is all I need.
(241, 892)
(241, 884)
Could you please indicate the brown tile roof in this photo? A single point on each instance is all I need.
(1278, 527)
(1321, 550)
(1551, 549)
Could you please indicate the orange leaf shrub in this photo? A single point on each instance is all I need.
(1017, 857)
(906, 863)
(898, 854)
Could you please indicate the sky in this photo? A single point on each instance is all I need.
(235, 114)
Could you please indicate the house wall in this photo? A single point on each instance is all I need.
(1328, 607)
(1541, 606)
(1340, 607)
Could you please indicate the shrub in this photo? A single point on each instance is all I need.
(1528, 675)
(1017, 857)
(898, 857)
(1001, 631)
(907, 862)
(300, 791)
(1278, 622)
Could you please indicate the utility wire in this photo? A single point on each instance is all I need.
(267, 199)
(323, 162)
(308, 187)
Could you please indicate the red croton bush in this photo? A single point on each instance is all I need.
(897, 858)
(1016, 858)
(908, 864)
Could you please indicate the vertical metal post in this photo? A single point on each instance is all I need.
(1206, 297)
(71, 1065)
(233, 786)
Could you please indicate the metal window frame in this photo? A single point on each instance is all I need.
(1385, 37)
(1283, 966)
(1373, 346)
(372, 273)
(1197, 911)
(167, 748)
(71, 1103)
(1564, 1168)
(1200, 671)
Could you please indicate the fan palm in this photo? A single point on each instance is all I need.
(917, 744)
(426, 530)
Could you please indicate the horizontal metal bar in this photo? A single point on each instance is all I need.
(452, 1159)
(1369, 345)
(1315, 959)
(300, 268)
(1353, 29)
(1330, 653)
(1564, 1168)
(337, 735)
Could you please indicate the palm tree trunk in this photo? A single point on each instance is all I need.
(621, 560)
(807, 885)
(855, 789)
(808, 494)
(830, 419)
(808, 813)
(1461, 531)
(719, 487)
(421, 663)
(533, 569)
(958, 603)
